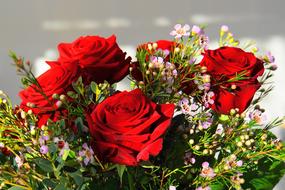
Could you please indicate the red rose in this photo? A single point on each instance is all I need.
(224, 64)
(128, 127)
(100, 59)
(57, 80)
(161, 45)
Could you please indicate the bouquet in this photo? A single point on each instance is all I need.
(191, 120)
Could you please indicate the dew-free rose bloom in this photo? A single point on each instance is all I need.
(224, 64)
(128, 127)
(57, 80)
(99, 58)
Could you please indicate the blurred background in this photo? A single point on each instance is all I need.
(33, 28)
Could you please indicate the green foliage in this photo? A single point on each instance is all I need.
(61, 156)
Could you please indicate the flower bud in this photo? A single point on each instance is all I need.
(55, 96)
(197, 147)
(264, 137)
(62, 97)
(33, 132)
(254, 49)
(200, 127)
(224, 28)
(176, 50)
(233, 86)
(247, 143)
(205, 151)
(239, 144)
(191, 141)
(226, 167)
(31, 105)
(233, 157)
(206, 78)
(58, 104)
(23, 114)
(150, 65)
(233, 111)
(149, 47)
(203, 69)
(154, 45)
(43, 127)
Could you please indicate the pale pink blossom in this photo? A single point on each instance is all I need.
(180, 31)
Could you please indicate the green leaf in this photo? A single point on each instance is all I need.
(217, 186)
(224, 118)
(61, 186)
(261, 184)
(77, 177)
(16, 188)
(65, 154)
(121, 169)
(267, 172)
(131, 181)
(50, 183)
(71, 94)
(72, 154)
(52, 148)
(44, 164)
(93, 87)
(79, 123)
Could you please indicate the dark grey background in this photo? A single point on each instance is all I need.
(31, 27)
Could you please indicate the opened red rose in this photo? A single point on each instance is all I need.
(57, 80)
(226, 63)
(128, 127)
(99, 58)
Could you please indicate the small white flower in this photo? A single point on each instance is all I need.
(224, 28)
(180, 31)
(2, 145)
(19, 161)
(86, 153)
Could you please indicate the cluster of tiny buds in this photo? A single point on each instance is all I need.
(206, 78)
(245, 140)
(152, 46)
(176, 50)
(236, 179)
(61, 97)
(206, 151)
(203, 69)
(254, 49)
(31, 105)
(235, 112)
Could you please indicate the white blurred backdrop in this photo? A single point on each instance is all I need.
(33, 28)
